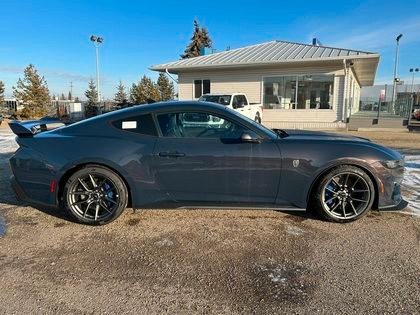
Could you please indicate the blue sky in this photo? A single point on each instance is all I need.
(54, 35)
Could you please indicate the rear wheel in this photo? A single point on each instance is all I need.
(95, 195)
(344, 194)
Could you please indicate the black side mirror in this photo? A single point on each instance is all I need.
(246, 137)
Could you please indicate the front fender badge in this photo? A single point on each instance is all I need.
(296, 163)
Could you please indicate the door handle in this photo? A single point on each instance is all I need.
(171, 154)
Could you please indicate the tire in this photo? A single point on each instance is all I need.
(257, 118)
(344, 194)
(95, 195)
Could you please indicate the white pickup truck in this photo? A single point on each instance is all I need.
(237, 101)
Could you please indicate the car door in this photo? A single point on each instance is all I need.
(200, 157)
(241, 104)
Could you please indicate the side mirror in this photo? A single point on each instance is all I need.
(246, 137)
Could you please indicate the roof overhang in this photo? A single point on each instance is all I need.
(364, 66)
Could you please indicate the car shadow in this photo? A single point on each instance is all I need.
(301, 215)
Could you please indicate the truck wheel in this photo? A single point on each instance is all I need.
(257, 118)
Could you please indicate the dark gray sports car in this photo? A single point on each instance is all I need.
(190, 154)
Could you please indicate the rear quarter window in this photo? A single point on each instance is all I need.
(141, 124)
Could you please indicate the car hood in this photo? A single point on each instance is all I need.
(318, 135)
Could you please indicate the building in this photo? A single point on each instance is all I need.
(300, 86)
(69, 109)
(12, 105)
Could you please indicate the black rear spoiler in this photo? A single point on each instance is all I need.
(30, 128)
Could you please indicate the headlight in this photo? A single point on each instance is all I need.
(393, 163)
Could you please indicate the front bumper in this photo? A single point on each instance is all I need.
(389, 186)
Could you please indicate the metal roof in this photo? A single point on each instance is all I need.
(269, 53)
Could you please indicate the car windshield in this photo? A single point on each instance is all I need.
(220, 99)
(256, 125)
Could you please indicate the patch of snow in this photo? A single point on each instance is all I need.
(3, 227)
(164, 242)
(411, 184)
(294, 230)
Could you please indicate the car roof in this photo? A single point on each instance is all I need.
(150, 108)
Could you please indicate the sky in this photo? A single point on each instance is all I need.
(54, 35)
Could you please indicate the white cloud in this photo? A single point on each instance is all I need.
(374, 36)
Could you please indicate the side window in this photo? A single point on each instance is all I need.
(235, 103)
(201, 87)
(206, 86)
(244, 101)
(198, 91)
(142, 124)
(199, 125)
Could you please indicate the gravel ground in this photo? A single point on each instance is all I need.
(207, 261)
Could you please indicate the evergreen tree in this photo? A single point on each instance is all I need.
(69, 96)
(166, 88)
(92, 99)
(144, 92)
(62, 97)
(33, 92)
(76, 100)
(205, 37)
(121, 96)
(199, 39)
(1, 92)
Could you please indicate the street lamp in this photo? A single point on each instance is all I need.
(97, 41)
(413, 70)
(394, 86)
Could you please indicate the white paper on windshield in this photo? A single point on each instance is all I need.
(129, 125)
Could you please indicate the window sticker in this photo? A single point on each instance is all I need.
(129, 125)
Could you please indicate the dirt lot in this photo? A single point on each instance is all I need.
(209, 261)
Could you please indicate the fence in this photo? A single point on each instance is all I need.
(401, 108)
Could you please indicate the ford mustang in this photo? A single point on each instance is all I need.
(198, 154)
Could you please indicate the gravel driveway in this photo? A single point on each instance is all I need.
(207, 261)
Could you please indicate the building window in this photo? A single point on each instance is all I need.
(299, 92)
(201, 87)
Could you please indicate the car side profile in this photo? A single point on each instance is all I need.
(198, 154)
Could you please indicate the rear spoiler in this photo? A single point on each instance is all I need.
(32, 127)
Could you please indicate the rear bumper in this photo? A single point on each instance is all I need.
(22, 196)
(19, 193)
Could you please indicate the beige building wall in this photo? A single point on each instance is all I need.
(250, 82)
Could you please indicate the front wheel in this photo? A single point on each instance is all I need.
(95, 195)
(257, 118)
(344, 194)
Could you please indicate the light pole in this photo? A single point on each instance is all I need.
(394, 86)
(413, 70)
(97, 41)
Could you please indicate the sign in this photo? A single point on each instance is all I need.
(382, 96)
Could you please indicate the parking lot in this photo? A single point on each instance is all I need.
(211, 261)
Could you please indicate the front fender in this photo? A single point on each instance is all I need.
(366, 166)
(305, 160)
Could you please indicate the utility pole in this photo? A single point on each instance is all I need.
(412, 92)
(71, 89)
(394, 87)
(97, 41)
